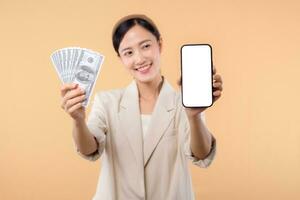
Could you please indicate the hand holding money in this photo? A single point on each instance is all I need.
(72, 101)
(79, 66)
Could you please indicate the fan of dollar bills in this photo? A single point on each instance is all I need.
(78, 65)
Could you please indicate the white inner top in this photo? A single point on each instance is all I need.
(145, 123)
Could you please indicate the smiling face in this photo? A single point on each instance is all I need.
(140, 51)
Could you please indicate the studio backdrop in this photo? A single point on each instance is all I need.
(256, 47)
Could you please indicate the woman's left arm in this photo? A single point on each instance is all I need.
(201, 138)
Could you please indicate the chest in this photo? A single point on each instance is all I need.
(146, 107)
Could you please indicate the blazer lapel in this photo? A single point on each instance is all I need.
(160, 119)
(130, 121)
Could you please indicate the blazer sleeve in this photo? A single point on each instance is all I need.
(97, 125)
(203, 163)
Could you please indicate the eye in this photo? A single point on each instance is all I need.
(146, 46)
(128, 53)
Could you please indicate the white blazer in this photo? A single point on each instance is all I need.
(155, 168)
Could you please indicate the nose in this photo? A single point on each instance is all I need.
(139, 58)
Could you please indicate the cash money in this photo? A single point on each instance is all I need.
(78, 65)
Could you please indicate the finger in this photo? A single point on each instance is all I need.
(74, 108)
(214, 69)
(74, 101)
(217, 93)
(75, 92)
(217, 78)
(216, 98)
(66, 87)
(220, 88)
(71, 94)
(217, 84)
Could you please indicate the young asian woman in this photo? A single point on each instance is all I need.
(144, 135)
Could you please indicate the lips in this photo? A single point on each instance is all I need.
(144, 68)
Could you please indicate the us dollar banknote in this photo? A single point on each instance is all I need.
(80, 66)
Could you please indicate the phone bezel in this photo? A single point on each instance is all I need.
(211, 60)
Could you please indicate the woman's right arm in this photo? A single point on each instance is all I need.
(72, 99)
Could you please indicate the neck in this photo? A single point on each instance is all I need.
(150, 90)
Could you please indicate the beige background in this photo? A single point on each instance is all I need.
(256, 122)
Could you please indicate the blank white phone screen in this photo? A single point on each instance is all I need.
(196, 69)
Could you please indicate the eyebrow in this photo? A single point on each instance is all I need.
(139, 44)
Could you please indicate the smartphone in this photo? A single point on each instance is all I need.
(196, 75)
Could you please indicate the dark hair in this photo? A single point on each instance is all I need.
(127, 23)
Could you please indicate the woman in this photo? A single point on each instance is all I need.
(142, 131)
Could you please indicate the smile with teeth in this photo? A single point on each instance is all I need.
(144, 68)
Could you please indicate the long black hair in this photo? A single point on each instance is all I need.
(126, 23)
